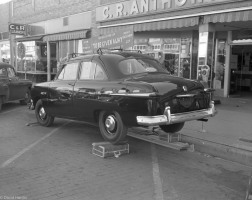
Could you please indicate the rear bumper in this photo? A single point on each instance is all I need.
(168, 118)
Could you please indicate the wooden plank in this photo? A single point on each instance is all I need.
(155, 139)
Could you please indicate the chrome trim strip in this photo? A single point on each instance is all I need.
(185, 95)
(134, 94)
(168, 118)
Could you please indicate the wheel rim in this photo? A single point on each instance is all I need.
(42, 113)
(110, 124)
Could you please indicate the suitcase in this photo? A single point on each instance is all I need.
(106, 149)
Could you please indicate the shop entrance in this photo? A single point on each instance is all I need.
(241, 71)
(171, 62)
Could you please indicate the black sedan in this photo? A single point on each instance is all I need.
(12, 88)
(118, 90)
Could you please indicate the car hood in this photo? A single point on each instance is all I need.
(164, 83)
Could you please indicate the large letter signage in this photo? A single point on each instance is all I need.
(135, 7)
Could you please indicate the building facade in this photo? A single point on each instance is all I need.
(54, 29)
(207, 40)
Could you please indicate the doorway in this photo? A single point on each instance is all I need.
(171, 62)
(241, 71)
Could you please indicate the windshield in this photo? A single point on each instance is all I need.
(139, 65)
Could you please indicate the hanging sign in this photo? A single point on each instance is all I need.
(19, 29)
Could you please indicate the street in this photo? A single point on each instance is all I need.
(56, 163)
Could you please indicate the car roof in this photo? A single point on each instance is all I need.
(110, 59)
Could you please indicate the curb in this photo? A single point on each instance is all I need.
(223, 151)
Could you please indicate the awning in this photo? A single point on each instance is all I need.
(245, 15)
(30, 38)
(167, 24)
(242, 42)
(156, 25)
(66, 36)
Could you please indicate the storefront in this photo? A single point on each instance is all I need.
(48, 43)
(193, 39)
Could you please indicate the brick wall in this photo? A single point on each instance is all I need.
(4, 17)
(31, 11)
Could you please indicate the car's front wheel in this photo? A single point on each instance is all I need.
(42, 117)
(172, 128)
(112, 127)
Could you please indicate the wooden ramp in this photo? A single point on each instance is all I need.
(157, 136)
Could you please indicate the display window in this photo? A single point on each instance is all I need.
(32, 57)
(5, 52)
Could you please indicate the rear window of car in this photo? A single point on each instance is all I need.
(139, 65)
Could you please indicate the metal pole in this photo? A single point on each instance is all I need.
(48, 61)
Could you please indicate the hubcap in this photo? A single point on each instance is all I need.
(42, 113)
(110, 123)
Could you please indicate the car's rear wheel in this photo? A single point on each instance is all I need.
(112, 127)
(42, 117)
(27, 98)
(172, 128)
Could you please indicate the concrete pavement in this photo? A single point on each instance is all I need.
(228, 135)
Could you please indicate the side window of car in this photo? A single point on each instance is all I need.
(92, 71)
(3, 72)
(87, 70)
(11, 72)
(69, 72)
(99, 73)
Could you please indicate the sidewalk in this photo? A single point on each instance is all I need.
(227, 135)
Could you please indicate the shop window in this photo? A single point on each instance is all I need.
(5, 52)
(32, 59)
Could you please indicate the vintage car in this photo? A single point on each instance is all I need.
(11, 87)
(118, 90)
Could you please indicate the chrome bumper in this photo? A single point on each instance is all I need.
(168, 118)
(31, 105)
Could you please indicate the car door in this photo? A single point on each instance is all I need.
(17, 87)
(4, 83)
(88, 88)
(60, 98)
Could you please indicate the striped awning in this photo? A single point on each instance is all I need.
(229, 17)
(66, 36)
(167, 24)
(30, 38)
(154, 25)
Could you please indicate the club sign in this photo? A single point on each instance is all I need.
(19, 29)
